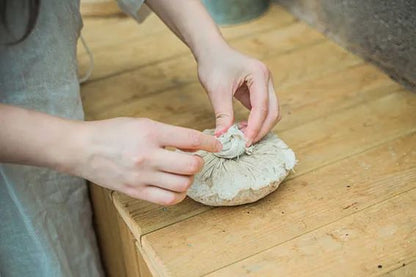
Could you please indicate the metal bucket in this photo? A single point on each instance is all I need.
(228, 12)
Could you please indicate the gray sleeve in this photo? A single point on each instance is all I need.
(135, 9)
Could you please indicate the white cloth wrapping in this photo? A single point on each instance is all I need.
(45, 216)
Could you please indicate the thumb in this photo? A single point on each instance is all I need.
(224, 115)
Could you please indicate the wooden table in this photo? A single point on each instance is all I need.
(350, 207)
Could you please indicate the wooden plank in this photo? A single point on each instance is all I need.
(145, 81)
(143, 217)
(306, 64)
(368, 121)
(108, 233)
(129, 44)
(275, 17)
(144, 269)
(99, 8)
(319, 143)
(367, 243)
(151, 269)
(404, 270)
(282, 40)
(363, 83)
(117, 243)
(323, 96)
(99, 97)
(124, 29)
(130, 256)
(335, 110)
(351, 131)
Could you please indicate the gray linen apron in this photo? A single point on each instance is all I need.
(45, 216)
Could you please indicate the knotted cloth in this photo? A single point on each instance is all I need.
(233, 144)
(240, 174)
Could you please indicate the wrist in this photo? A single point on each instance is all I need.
(71, 149)
(209, 48)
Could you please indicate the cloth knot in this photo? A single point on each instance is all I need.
(233, 144)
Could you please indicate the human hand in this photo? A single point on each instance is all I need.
(225, 73)
(129, 155)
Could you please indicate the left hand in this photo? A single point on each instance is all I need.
(225, 73)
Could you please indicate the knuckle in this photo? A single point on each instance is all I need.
(139, 160)
(133, 191)
(222, 116)
(262, 68)
(145, 121)
(147, 128)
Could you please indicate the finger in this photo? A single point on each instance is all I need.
(259, 99)
(242, 125)
(177, 163)
(273, 113)
(222, 104)
(169, 181)
(156, 195)
(184, 138)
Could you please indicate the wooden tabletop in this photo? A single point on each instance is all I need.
(350, 206)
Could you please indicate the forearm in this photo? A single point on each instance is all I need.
(190, 21)
(33, 138)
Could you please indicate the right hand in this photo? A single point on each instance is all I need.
(129, 155)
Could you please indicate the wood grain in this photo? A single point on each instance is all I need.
(324, 96)
(154, 271)
(316, 144)
(144, 217)
(352, 128)
(107, 231)
(361, 244)
(130, 255)
(348, 132)
(144, 269)
(175, 73)
(223, 236)
(129, 44)
(404, 270)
